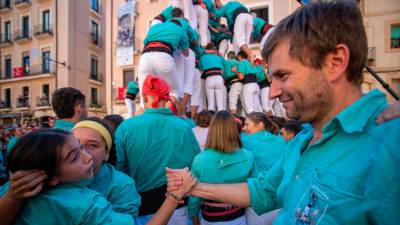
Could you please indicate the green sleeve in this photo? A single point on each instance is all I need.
(262, 189)
(122, 163)
(220, 12)
(101, 212)
(127, 200)
(184, 42)
(384, 200)
(242, 67)
(194, 202)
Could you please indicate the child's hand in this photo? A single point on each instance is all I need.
(25, 184)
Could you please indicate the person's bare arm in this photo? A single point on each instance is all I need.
(391, 112)
(235, 194)
(23, 184)
(172, 200)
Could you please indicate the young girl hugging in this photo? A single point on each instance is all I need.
(223, 161)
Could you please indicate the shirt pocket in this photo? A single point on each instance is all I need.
(326, 201)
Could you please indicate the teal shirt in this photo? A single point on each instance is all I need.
(258, 25)
(212, 166)
(118, 188)
(210, 61)
(227, 11)
(260, 73)
(245, 67)
(189, 122)
(70, 204)
(3, 173)
(133, 88)
(217, 37)
(148, 143)
(64, 125)
(167, 13)
(349, 176)
(170, 33)
(11, 143)
(192, 34)
(266, 147)
(228, 65)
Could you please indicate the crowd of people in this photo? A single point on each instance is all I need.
(334, 161)
(191, 44)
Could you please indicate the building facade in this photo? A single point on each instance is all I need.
(45, 45)
(382, 24)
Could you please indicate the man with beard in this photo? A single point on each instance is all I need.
(343, 168)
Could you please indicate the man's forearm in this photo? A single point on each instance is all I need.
(235, 194)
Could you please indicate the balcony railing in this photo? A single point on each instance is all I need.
(6, 38)
(41, 29)
(23, 102)
(95, 39)
(22, 2)
(42, 101)
(5, 5)
(33, 70)
(5, 105)
(22, 34)
(96, 77)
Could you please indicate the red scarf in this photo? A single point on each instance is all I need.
(159, 88)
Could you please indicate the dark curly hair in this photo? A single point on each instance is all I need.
(64, 101)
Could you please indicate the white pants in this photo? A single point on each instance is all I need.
(239, 221)
(251, 96)
(266, 104)
(160, 64)
(202, 18)
(265, 37)
(242, 31)
(179, 60)
(234, 93)
(130, 107)
(155, 21)
(179, 217)
(189, 73)
(197, 97)
(264, 219)
(223, 47)
(188, 10)
(278, 109)
(215, 93)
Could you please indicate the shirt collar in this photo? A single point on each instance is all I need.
(355, 117)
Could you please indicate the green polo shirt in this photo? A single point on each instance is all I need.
(118, 188)
(245, 67)
(64, 125)
(228, 65)
(170, 33)
(148, 143)
(213, 166)
(266, 147)
(349, 176)
(70, 204)
(167, 13)
(227, 11)
(133, 88)
(210, 61)
(258, 25)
